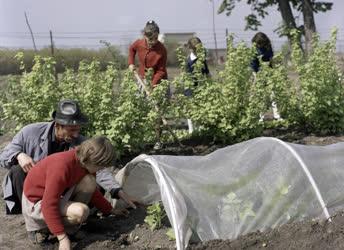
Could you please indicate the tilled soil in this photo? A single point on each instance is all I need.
(133, 233)
(301, 235)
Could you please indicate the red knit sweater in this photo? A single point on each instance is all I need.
(50, 178)
(154, 57)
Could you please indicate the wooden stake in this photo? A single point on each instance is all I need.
(32, 37)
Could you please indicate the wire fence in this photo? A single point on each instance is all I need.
(123, 38)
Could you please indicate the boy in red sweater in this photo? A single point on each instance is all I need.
(59, 187)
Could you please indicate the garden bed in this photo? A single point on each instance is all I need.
(134, 233)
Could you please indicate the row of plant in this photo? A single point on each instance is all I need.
(70, 58)
(225, 107)
(64, 58)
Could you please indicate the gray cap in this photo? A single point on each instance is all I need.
(68, 113)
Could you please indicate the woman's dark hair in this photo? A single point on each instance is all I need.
(151, 29)
(97, 151)
(262, 41)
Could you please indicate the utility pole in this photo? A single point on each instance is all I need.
(214, 32)
(33, 39)
(51, 43)
(52, 52)
(227, 39)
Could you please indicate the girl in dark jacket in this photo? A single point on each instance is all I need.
(192, 45)
(264, 50)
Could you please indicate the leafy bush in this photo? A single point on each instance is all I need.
(94, 91)
(34, 97)
(126, 116)
(226, 107)
(321, 94)
(136, 114)
(130, 126)
(276, 86)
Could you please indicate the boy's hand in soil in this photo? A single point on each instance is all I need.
(64, 242)
(128, 199)
(120, 212)
(25, 162)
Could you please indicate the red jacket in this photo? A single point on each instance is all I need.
(50, 178)
(154, 57)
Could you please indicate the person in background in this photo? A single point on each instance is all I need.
(151, 54)
(194, 44)
(264, 50)
(264, 53)
(35, 141)
(59, 188)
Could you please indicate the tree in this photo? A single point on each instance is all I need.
(288, 19)
(258, 7)
(309, 23)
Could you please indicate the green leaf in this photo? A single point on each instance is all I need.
(170, 234)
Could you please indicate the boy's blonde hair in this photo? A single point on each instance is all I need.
(97, 151)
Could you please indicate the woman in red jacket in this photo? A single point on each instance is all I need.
(151, 53)
(59, 187)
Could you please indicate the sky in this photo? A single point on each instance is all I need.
(83, 23)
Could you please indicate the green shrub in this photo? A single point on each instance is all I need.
(130, 127)
(225, 107)
(321, 95)
(34, 97)
(93, 88)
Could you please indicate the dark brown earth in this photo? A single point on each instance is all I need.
(133, 233)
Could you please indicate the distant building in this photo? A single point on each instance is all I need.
(221, 54)
(180, 38)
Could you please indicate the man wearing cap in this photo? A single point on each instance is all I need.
(35, 141)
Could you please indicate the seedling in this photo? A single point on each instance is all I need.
(155, 215)
(170, 234)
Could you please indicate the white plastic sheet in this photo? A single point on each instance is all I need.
(254, 185)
